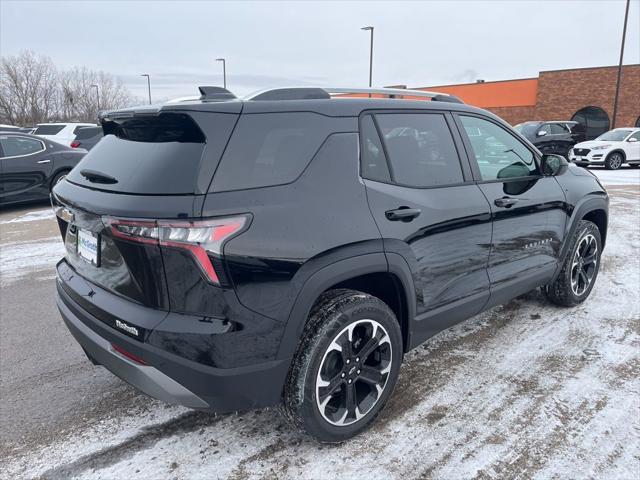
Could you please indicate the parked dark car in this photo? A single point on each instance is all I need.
(87, 137)
(13, 129)
(552, 137)
(290, 248)
(30, 166)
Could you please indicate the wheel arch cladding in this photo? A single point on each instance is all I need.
(599, 217)
(347, 273)
(592, 208)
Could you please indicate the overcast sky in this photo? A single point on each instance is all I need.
(295, 43)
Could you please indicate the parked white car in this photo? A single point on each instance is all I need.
(611, 149)
(63, 133)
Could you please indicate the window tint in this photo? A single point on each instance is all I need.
(88, 132)
(557, 129)
(499, 154)
(156, 154)
(636, 136)
(374, 163)
(48, 129)
(420, 149)
(269, 149)
(80, 127)
(17, 146)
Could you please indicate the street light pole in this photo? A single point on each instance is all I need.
(624, 34)
(370, 55)
(93, 85)
(224, 71)
(148, 84)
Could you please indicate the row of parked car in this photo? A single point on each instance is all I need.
(73, 134)
(611, 149)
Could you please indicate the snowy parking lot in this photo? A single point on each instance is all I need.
(525, 390)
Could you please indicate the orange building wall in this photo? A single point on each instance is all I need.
(508, 93)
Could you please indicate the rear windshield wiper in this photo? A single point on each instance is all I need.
(97, 177)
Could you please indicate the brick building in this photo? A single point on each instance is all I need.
(582, 94)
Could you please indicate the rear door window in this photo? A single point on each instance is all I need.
(155, 154)
(269, 149)
(421, 149)
(19, 146)
(48, 129)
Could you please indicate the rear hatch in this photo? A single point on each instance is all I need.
(147, 169)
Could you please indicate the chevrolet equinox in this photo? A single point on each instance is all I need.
(290, 247)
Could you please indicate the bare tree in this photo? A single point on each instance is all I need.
(33, 91)
(81, 101)
(28, 92)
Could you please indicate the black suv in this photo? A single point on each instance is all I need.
(553, 137)
(290, 247)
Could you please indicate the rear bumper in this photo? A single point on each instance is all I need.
(145, 378)
(167, 376)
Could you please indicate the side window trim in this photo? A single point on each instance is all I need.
(42, 149)
(362, 146)
(467, 175)
(385, 153)
(472, 156)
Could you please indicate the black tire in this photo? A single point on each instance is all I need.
(333, 314)
(570, 288)
(57, 177)
(614, 161)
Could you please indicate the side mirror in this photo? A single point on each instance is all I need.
(542, 133)
(632, 139)
(551, 164)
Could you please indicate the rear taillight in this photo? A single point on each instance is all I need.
(75, 144)
(201, 237)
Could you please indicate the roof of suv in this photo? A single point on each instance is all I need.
(336, 107)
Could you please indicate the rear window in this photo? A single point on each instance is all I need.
(81, 127)
(87, 132)
(269, 149)
(158, 154)
(48, 129)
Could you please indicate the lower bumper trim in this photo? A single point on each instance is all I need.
(146, 378)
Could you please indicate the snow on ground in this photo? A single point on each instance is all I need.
(525, 390)
(623, 176)
(18, 260)
(34, 216)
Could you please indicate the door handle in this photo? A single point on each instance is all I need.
(404, 214)
(43, 161)
(505, 202)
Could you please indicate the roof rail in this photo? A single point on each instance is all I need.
(305, 93)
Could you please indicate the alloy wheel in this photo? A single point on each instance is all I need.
(353, 372)
(584, 264)
(615, 161)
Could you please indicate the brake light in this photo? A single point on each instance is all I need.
(75, 144)
(201, 237)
